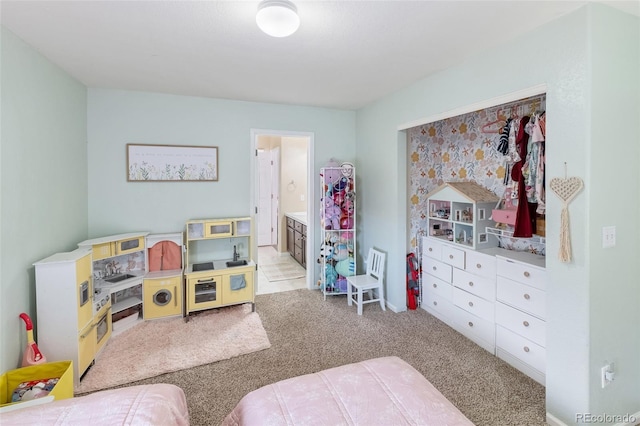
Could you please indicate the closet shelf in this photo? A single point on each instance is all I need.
(508, 233)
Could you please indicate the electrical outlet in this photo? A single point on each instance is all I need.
(608, 236)
(607, 374)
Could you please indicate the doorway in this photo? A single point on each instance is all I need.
(281, 185)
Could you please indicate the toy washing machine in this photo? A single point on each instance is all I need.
(163, 288)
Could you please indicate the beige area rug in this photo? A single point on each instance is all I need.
(164, 345)
(281, 271)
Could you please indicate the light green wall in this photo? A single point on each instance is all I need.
(614, 308)
(561, 55)
(117, 117)
(43, 173)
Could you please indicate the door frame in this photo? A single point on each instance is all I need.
(254, 193)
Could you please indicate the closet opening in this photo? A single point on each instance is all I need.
(472, 144)
(477, 222)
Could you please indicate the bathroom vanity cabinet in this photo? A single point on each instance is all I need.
(219, 266)
(297, 238)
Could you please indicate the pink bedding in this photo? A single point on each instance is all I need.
(136, 405)
(380, 391)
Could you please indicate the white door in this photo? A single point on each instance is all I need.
(275, 193)
(264, 206)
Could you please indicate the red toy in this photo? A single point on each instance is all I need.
(32, 355)
(413, 289)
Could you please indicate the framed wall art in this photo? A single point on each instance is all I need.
(161, 163)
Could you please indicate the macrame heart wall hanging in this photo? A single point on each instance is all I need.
(566, 189)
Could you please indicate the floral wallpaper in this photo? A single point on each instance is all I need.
(461, 148)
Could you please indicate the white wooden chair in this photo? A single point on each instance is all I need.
(372, 282)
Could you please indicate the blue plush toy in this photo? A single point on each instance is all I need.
(330, 276)
(346, 267)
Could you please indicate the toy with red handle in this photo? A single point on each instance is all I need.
(32, 355)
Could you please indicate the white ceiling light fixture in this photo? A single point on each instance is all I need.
(278, 18)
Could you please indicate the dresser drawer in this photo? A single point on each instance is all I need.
(431, 248)
(453, 256)
(434, 285)
(473, 304)
(480, 264)
(483, 287)
(522, 296)
(475, 328)
(521, 348)
(433, 302)
(437, 269)
(521, 323)
(523, 273)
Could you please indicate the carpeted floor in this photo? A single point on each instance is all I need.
(309, 334)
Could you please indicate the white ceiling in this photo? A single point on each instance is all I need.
(345, 55)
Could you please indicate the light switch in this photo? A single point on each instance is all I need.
(608, 236)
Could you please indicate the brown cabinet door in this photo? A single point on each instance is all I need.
(291, 241)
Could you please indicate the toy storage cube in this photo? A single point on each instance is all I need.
(61, 369)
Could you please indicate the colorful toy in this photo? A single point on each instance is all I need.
(331, 214)
(341, 284)
(346, 267)
(330, 276)
(346, 222)
(32, 355)
(348, 207)
(340, 251)
(332, 171)
(326, 252)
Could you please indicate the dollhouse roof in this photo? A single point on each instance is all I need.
(470, 190)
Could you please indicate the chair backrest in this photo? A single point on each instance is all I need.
(375, 264)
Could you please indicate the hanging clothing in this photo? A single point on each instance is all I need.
(533, 168)
(513, 155)
(525, 222)
(503, 144)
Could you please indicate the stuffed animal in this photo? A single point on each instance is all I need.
(341, 284)
(346, 267)
(330, 276)
(346, 222)
(326, 252)
(332, 172)
(340, 251)
(331, 214)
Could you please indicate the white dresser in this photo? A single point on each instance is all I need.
(520, 315)
(459, 288)
(494, 297)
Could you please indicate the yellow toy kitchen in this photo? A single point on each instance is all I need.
(110, 284)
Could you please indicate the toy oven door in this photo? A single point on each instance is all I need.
(104, 328)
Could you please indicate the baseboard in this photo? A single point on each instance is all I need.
(634, 419)
(554, 421)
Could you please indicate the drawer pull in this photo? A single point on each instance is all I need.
(478, 265)
(526, 296)
(435, 303)
(471, 304)
(526, 348)
(470, 324)
(527, 274)
(525, 323)
(450, 256)
(470, 283)
(430, 249)
(434, 268)
(435, 285)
